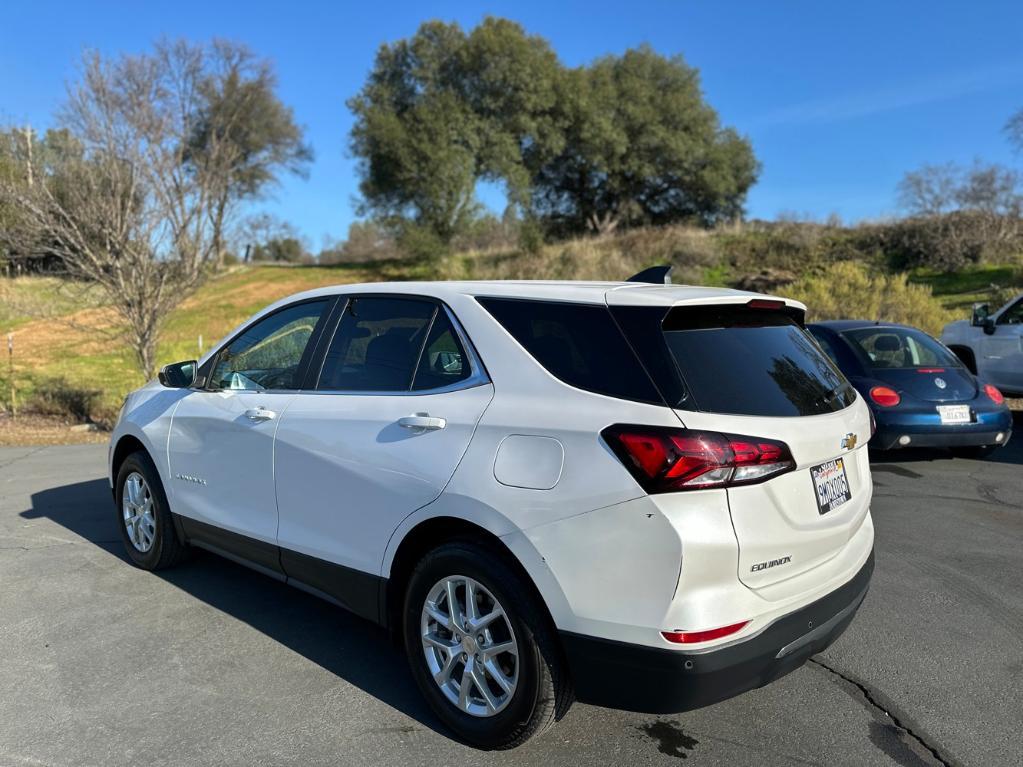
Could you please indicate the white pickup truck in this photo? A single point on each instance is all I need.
(991, 344)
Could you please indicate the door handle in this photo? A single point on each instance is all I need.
(260, 413)
(422, 422)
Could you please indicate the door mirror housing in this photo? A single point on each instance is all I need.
(980, 314)
(179, 375)
(989, 326)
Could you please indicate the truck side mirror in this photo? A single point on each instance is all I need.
(980, 313)
(989, 326)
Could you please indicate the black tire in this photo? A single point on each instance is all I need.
(544, 691)
(974, 453)
(166, 550)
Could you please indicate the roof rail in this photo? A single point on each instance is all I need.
(657, 275)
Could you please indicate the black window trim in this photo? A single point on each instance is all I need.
(478, 375)
(308, 355)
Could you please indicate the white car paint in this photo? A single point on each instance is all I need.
(998, 355)
(333, 475)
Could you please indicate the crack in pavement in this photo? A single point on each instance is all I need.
(888, 712)
(29, 454)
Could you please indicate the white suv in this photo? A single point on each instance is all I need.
(649, 497)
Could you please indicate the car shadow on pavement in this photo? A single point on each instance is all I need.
(349, 647)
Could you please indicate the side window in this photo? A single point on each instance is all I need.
(1013, 315)
(577, 343)
(268, 354)
(376, 345)
(444, 361)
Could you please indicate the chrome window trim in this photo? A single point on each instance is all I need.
(478, 375)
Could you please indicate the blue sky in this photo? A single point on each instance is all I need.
(839, 99)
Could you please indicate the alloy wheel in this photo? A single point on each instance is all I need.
(469, 646)
(137, 508)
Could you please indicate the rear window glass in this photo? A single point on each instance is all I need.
(578, 343)
(752, 362)
(899, 348)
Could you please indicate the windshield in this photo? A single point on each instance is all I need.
(899, 349)
(752, 362)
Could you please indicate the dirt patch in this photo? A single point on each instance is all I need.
(29, 429)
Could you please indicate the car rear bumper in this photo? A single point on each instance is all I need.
(662, 681)
(926, 430)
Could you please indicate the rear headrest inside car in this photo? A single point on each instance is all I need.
(887, 344)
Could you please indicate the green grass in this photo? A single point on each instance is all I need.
(958, 291)
(46, 350)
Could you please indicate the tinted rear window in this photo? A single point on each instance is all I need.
(752, 362)
(578, 343)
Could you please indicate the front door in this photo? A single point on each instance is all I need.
(221, 438)
(1001, 360)
(398, 399)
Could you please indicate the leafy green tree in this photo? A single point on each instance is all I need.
(442, 111)
(282, 249)
(242, 132)
(641, 146)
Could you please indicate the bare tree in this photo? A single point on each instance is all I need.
(243, 135)
(132, 214)
(931, 190)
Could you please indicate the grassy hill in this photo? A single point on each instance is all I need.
(66, 341)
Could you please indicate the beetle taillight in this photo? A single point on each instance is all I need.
(885, 396)
(992, 392)
(665, 460)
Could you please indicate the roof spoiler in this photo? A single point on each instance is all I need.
(656, 275)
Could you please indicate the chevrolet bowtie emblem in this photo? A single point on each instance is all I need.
(849, 441)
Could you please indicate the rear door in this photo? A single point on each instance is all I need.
(398, 398)
(757, 372)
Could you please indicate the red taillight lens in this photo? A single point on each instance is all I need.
(691, 637)
(885, 397)
(994, 394)
(665, 460)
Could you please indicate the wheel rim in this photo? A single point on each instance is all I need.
(138, 511)
(469, 646)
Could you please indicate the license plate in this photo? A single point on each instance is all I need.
(954, 413)
(830, 484)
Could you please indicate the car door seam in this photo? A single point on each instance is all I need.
(468, 443)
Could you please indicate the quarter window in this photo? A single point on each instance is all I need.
(578, 343)
(268, 354)
(444, 361)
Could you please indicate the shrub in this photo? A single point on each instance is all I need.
(848, 290)
(58, 397)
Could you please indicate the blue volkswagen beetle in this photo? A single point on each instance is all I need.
(919, 392)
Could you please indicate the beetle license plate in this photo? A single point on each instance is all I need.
(954, 413)
(830, 484)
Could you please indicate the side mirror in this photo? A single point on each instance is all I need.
(179, 375)
(989, 326)
(980, 313)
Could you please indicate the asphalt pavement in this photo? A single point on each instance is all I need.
(212, 664)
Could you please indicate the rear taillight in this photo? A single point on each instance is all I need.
(691, 637)
(885, 397)
(665, 460)
(994, 394)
